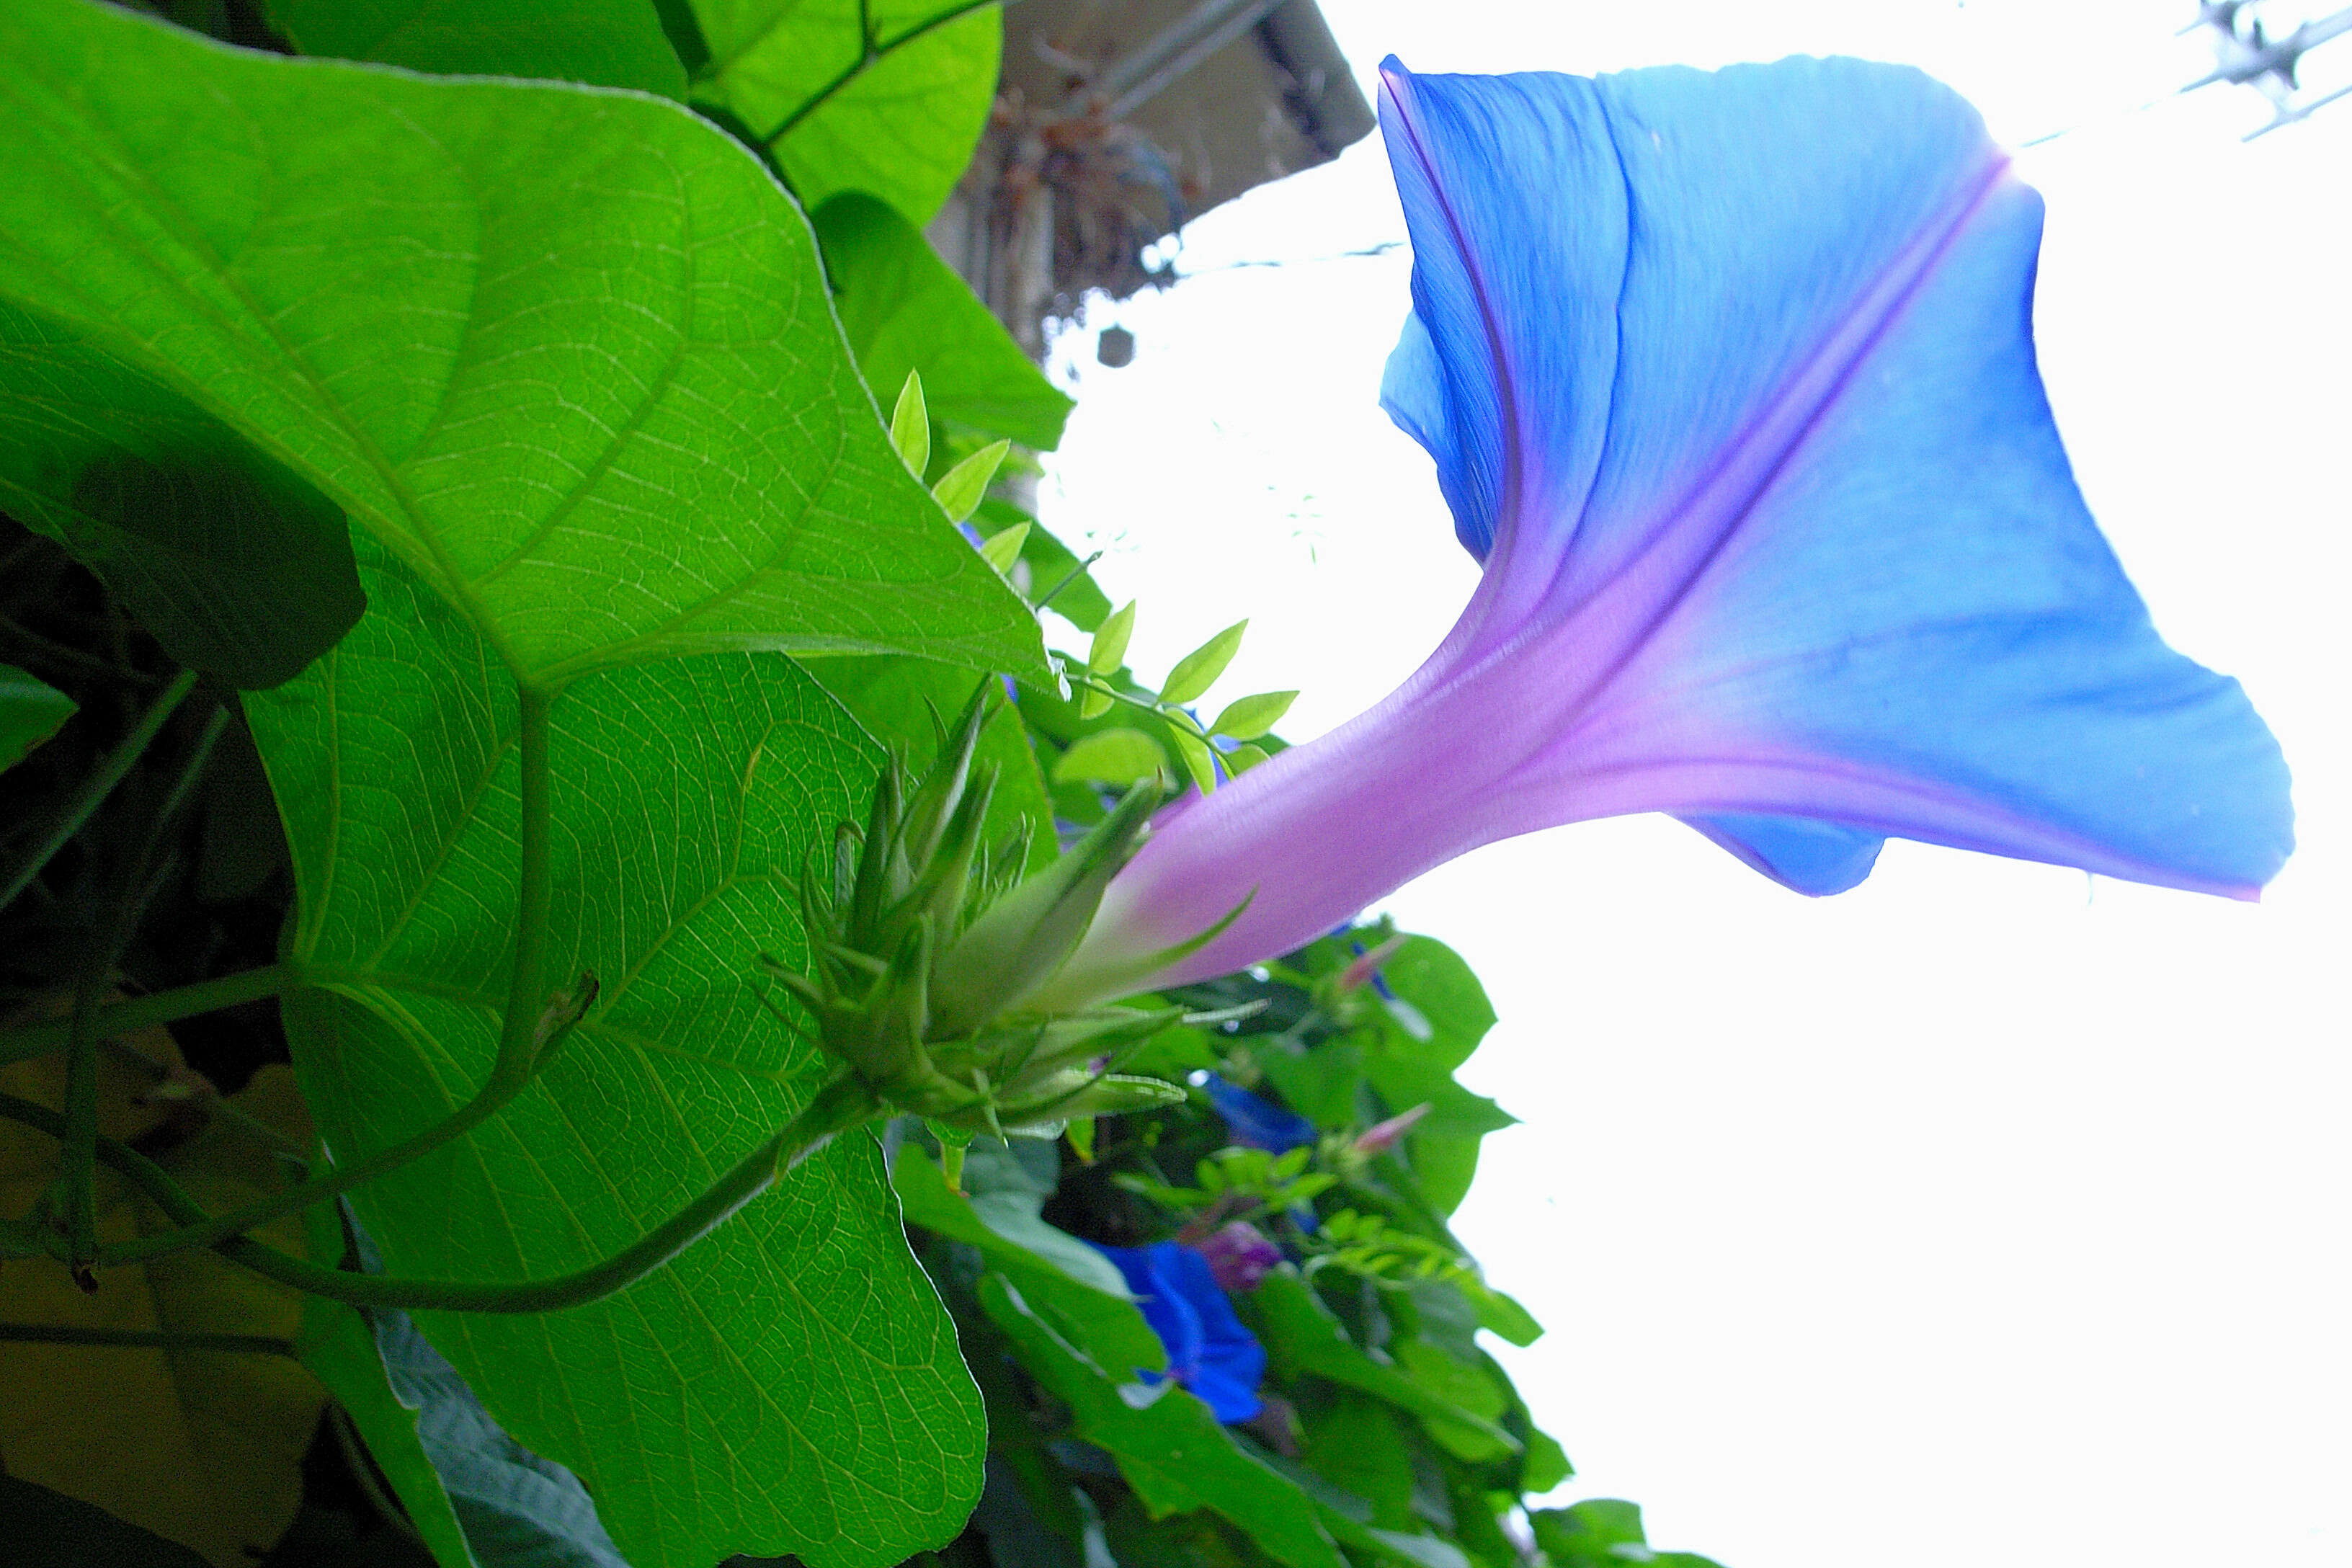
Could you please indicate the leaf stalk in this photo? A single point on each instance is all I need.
(839, 1106)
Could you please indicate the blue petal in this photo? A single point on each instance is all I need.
(1730, 379)
(1256, 1123)
(1210, 1352)
(1815, 857)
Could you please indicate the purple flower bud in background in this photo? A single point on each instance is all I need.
(1730, 382)
(1256, 1123)
(1366, 968)
(1239, 1257)
(1380, 1140)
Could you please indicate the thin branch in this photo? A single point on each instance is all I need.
(843, 1103)
(80, 1206)
(137, 1013)
(141, 1338)
(95, 789)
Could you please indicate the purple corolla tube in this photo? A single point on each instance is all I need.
(1730, 382)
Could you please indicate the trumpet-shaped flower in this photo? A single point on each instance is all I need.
(1730, 382)
(1210, 1354)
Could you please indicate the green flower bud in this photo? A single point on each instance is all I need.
(924, 957)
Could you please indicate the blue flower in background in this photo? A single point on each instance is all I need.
(1730, 383)
(1256, 1123)
(1209, 1351)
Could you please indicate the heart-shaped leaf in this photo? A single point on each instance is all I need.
(886, 96)
(566, 351)
(790, 1384)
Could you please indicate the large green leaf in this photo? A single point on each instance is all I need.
(1352, 1440)
(885, 95)
(1107, 1328)
(791, 1382)
(238, 567)
(1168, 1443)
(610, 43)
(1304, 1337)
(338, 1346)
(903, 309)
(566, 351)
(1450, 1014)
(31, 710)
(1601, 1532)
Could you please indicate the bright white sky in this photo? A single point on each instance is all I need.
(1982, 1214)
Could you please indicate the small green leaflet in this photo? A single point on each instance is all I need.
(1110, 649)
(31, 710)
(910, 425)
(1111, 757)
(1001, 549)
(1247, 718)
(1199, 761)
(1198, 670)
(905, 312)
(960, 488)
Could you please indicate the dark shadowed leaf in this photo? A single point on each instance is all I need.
(607, 43)
(340, 1348)
(240, 568)
(46, 1527)
(31, 710)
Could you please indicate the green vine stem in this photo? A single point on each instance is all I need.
(78, 1202)
(523, 1049)
(1177, 716)
(493, 1098)
(95, 789)
(843, 1103)
(134, 1013)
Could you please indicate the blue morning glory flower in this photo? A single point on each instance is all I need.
(1210, 1354)
(1255, 1122)
(1730, 382)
